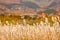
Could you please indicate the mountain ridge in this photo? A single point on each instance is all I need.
(29, 4)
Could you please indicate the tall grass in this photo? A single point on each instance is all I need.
(44, 30)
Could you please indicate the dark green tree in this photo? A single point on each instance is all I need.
(50, 11)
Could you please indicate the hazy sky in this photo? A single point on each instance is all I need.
(26, 0)
(17, 1)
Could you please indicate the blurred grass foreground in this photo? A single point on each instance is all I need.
(26, 27)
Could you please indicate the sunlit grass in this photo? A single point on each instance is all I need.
(17, 27)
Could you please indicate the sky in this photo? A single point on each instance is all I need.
(17, 1)
(23, 0)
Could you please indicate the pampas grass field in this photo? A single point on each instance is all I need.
(44, 29)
